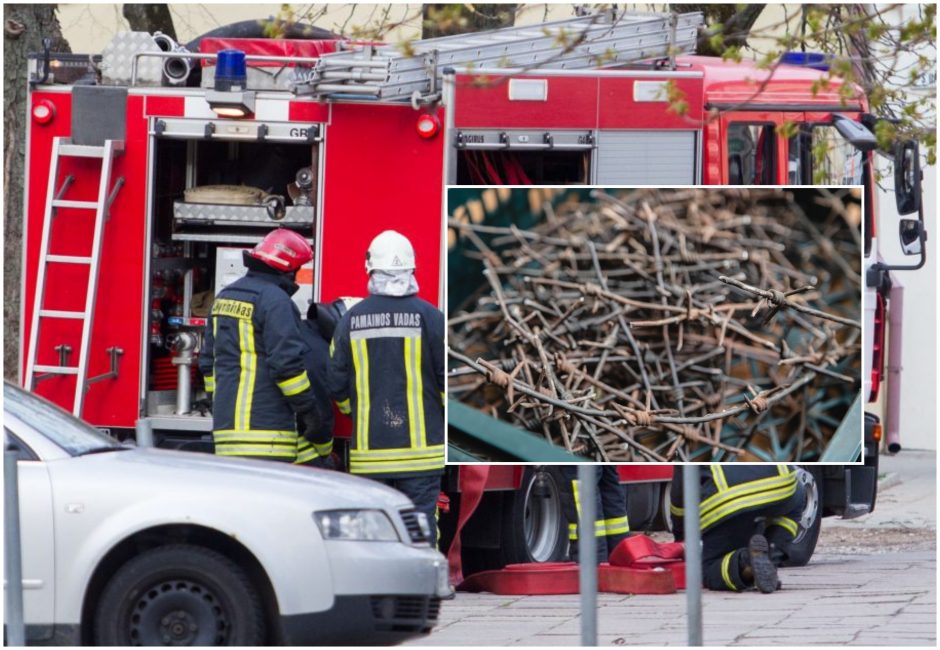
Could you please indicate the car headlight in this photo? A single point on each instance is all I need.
(361, 525)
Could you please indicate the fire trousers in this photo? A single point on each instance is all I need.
(611, 525)
(724, 546)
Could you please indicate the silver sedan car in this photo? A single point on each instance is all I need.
(127, 546)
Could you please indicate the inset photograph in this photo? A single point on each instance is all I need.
(655, 325)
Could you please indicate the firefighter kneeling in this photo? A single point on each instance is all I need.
(387, 369)
(253, 359)
(749, 518)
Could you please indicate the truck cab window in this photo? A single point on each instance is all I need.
(751, 154)
(818, 155)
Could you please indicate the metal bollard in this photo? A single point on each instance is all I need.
(587, 552)
(144, 432)
(15, 631)
(693, 552)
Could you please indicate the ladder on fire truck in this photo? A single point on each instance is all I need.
(412, 70)
(35, 372)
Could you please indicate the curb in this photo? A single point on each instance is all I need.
(888, 481)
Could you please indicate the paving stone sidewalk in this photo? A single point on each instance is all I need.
(837, 600)
(872, 582)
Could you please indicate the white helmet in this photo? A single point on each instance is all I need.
(390, 251)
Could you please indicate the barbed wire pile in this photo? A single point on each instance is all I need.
(667, 325)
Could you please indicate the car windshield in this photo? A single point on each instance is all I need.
(62, 428)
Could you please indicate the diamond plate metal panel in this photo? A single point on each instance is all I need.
(239, 215)
(117, 60)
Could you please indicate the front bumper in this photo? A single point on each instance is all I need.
(364, 620)
(386, 568)
(384, 593)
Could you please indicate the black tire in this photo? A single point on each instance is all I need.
(534, 528)
(799, 552)
(179, 595)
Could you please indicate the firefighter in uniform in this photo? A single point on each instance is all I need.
(611, 526)
(741, 508)
(317, 331)
(387, 370)
(253, 358)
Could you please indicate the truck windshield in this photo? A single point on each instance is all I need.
(62, 428)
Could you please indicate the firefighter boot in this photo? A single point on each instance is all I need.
(757, 568)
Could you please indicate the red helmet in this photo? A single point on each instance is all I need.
(283, 250)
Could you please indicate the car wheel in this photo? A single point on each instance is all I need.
(801, 549)
(179, 595)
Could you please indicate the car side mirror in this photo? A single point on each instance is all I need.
(911, 232)
(907, 177)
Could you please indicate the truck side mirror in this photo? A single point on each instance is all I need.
(855, 133)
(907, 177)
(911, 232)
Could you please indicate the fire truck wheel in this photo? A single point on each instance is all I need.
(534, 525)
(179, 595)
(799, 552)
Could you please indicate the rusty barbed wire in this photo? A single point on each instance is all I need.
(665, 325)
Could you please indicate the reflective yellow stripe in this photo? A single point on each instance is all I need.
(255, 450)
(246, 380)
(443, 397)
(783, 470)
(720, 498)
(787, 524)
(305, 452)
(210, 383)
(332, 348)
(361, 367)
(324, 449)
(676, 510)
(616, 526)
(718, 476)
(600, 525)
(572, 531)
(725, 564)
(419, 394)
(215, 327)
(295, 385)
(396, 466)
(272, 435)
(374, 461)
(400, 453)
(344, 407)
(410, 391)
(742, 503)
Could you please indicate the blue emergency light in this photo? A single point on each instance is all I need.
(231, 72)
(815, 60)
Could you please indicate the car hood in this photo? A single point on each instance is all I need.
(186, 472)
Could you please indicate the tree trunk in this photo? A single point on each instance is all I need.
(24, 27)
(446, 20)
(150, 18)
(736, 22)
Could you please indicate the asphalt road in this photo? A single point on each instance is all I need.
(872, 581)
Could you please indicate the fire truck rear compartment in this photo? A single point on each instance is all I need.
(195, 250)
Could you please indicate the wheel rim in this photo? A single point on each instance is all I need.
(178, 612)
(810, 509)
(542, 517)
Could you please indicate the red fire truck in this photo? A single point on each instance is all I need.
(124, 245)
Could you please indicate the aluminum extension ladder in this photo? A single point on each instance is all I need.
(61, 148)
(599, 40)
